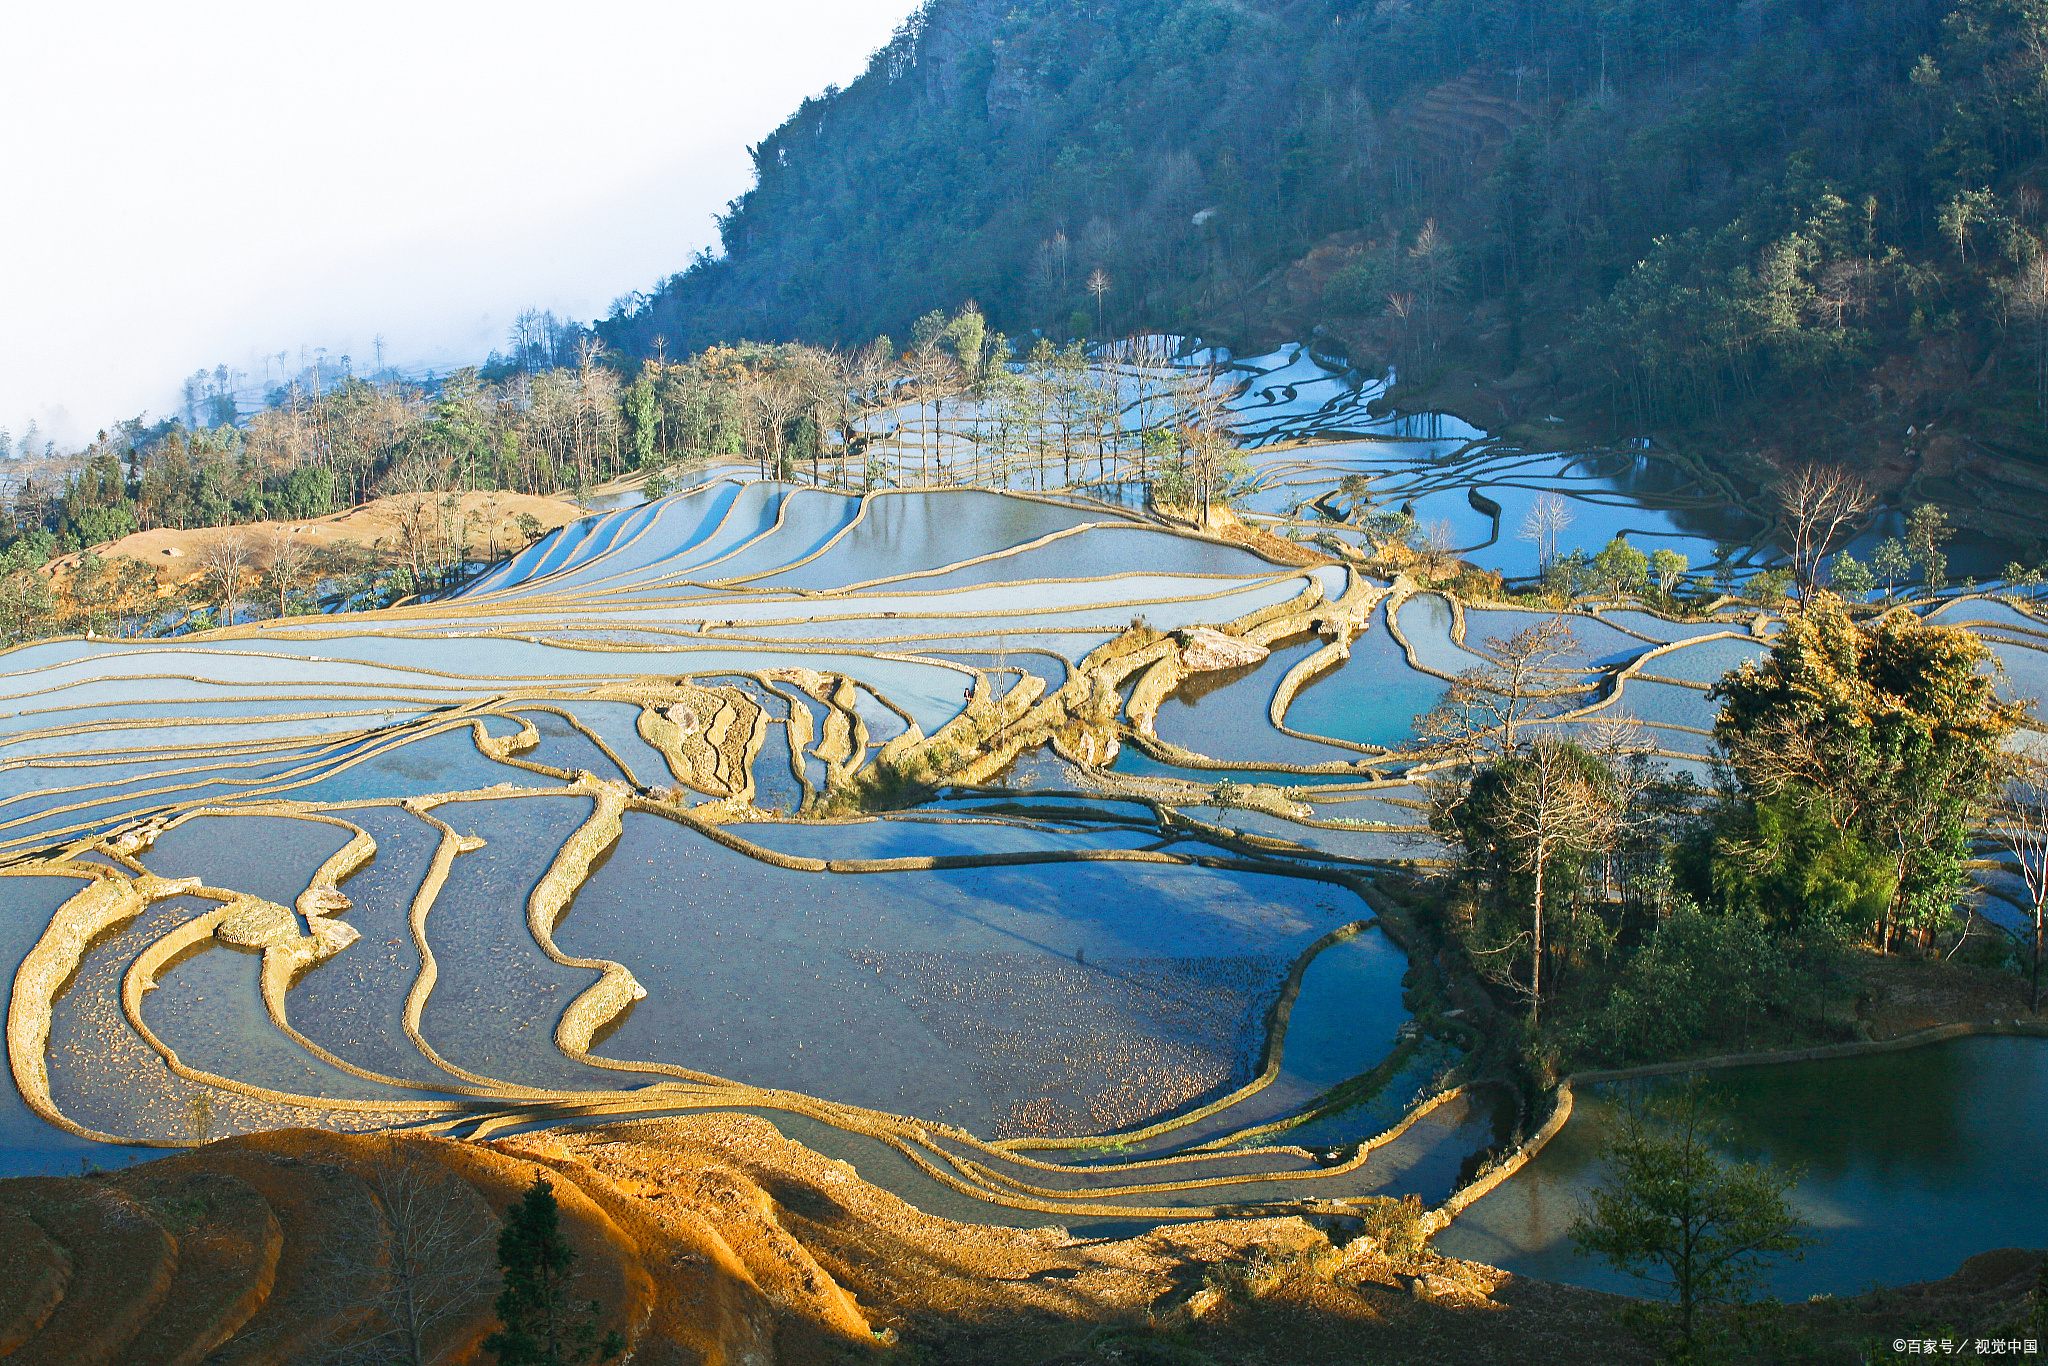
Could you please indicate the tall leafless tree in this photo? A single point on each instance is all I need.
(1203, 431)
(937, 377)
(2026, 307)
(291, 565)
(1545, 523)
(1435, 547)
(1484, 708)
(779, 397)
(223, 557)
(411, 506)
(1552, 807)
(1822, 506)
(425, 1238)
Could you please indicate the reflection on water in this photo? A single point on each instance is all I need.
(1226, 713)
(494, 1008)
(1038, 999)
(1909, 1163)
(268, 856)
(1372, 698)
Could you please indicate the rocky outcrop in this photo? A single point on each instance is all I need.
(1205, 648)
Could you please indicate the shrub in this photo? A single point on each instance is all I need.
(1397, 1225)
(1265, 1269)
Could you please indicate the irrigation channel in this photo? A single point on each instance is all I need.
(596, 838)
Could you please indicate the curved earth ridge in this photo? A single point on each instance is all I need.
(605, 667)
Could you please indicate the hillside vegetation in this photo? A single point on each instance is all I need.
(1646, 214)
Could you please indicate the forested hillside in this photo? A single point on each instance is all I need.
(1669, 215)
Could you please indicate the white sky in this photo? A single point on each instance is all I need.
(190, 182)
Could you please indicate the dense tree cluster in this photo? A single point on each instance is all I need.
(1648, 916)
(1862, 756)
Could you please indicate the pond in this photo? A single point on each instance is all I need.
(1908, 1162)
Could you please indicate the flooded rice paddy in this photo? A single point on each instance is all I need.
(926, 822)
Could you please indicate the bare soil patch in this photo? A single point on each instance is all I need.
(492, 529)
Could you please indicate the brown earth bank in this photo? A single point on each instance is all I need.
(1902, 995)
(711, 1239)
(490, 521)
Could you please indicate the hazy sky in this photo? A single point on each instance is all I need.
(189, 184)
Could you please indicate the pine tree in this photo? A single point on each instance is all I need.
(541, 1326)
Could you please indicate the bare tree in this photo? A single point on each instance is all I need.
(1822, 505)
(2026, 304)
(222, 558)
(426, 1238)
(1098, 285)
(1843, 288)
(1435, 256)
(1544, 524)
(493, 513)
(778, 399)
(291, 565)
(937, 378)
(1484, 707)
(865, 383)
(1552, 807)
(1203, 432)
(1401, 303)
(1619, 741)
(2019, 818)
(409, 491)
(821, 378)
(1436, 548)
(599, 424)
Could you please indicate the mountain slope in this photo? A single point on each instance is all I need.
(1675, 213)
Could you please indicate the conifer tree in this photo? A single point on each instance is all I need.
(540, 1325)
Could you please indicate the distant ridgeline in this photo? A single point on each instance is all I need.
(1667, 212)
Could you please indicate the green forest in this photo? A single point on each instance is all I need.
(1669, 215)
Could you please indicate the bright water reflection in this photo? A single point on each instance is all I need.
(1042, 999)
(1067, 988)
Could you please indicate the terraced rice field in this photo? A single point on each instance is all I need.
(891, 816)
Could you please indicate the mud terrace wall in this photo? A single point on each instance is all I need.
(988, 668)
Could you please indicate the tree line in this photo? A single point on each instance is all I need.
(956, 404)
